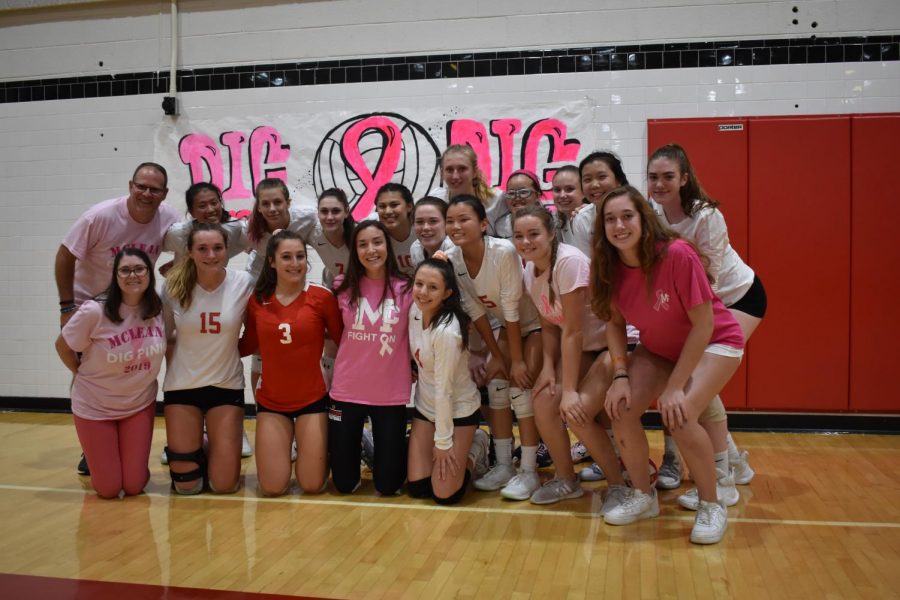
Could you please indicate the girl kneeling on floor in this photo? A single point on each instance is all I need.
(446, 448)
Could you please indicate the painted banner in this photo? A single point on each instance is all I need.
(360, 152)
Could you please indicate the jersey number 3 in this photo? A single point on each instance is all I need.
(285, 329)
(209, 322)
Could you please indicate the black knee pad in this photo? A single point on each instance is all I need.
(420, 488)
(458, 494)
(197, 456)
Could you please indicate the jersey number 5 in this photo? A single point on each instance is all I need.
(209, 322)
(486, 302)
(285, 333)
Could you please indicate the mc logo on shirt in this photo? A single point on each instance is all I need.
(387, 312)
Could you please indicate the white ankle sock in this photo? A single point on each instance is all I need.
(721, 459)
(669, 445)
(733, 452)
(503, 450)
(529, 458)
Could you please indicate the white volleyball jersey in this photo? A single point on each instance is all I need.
(417, 252)
(402, 252)
(206, 335)
(335, 259)
(444, 389)
(582, 230)
(497, 290)
(708, 231)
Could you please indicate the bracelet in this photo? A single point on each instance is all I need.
(66, 302)
(621, 376)
(67, 309)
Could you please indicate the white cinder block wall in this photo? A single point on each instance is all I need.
(59, 157)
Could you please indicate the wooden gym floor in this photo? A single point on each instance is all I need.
(820, 520)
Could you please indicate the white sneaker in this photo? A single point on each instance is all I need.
(497, 477)
(246, 448)
(294, 451)
(479, 452)
(636, 506)
(615, 496)
(592, 473)
(555, 490)
(163, 457)
(669, 476)
(743, 472)
(580, 453)
(522, 486)
(726, 492)
(710, 523)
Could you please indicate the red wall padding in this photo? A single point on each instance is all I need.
(719, 157)
(875, 264)
(800, 247)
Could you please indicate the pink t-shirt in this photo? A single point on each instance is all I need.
(99, 234)
(373, 359)
(119, 361)
(571, 271)
(679, 284)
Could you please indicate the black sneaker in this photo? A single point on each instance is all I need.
(82, 467)
(543, 456)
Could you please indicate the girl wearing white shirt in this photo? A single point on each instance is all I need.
(331, 240)
(203, 306)
(394, 205)
(461, 174)
(445, 445)
(205, 205)
(681, 203)
(567, 196)
(489, 274)
(600, 173)
(430, 225)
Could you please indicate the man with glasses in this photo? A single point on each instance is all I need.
(85, 257)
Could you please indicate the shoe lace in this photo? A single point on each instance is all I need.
(705, 514)
(632, 498)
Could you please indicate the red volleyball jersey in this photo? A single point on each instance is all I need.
(290, 340)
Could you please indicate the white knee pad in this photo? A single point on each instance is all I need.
(498, 394)
(520, 400)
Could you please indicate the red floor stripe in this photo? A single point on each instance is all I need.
(31, 587)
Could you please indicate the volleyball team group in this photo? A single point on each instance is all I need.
(574, 321)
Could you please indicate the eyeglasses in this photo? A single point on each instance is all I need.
(523, 193)
(146, 189)
(138, 271)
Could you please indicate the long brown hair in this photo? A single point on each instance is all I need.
(693, 197)
(356, 271)
(151, 305)
(268, 277)
(605, 261)
(257, 227)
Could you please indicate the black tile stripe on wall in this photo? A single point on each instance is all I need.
(466, 64)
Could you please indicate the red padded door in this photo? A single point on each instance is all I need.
(875, 260)
(800, 248)
(717, 149)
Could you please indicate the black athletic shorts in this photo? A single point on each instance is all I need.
(205, 398)
(754, 302)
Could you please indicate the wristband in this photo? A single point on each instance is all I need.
(67, 309)
(66, 302)
(621, 376)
